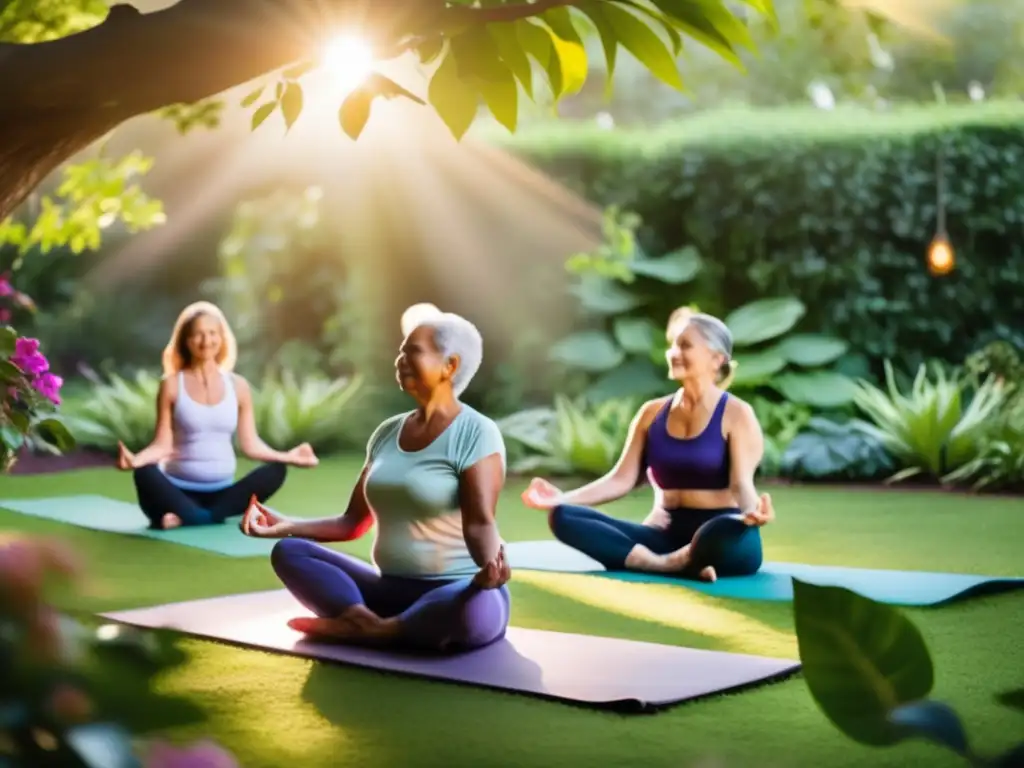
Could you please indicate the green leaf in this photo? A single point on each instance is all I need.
(379, 85)
(755, 368)
(430, 49)
(251, 98)
(634, 378)
(455, 101)
(664, 21)
(818, 389)
(932, 721)
(8, 340)
(603, 296)
(263, 113)
(502, 98)
(355, 112)
(592, 351)
(636, 334)
(637, 38)
(763, 320)
(11, 438)
(609, 42)
(861, 660)
(811, 350)
(512, 53)
(708, 22)
(536, 41)
(476, 56)
(676, 268)
(291, 104)
(9, 371)
(55, 433)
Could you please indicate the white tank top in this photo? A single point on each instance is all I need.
(203, 439)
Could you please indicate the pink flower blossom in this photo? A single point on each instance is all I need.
(6, 289)
(28, 357)
(5, 315)
(48, 385)
(202, 754)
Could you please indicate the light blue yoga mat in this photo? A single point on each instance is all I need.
(775, 580)
(102, 514)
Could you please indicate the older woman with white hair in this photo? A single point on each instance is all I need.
(431, 480)
(699, 448)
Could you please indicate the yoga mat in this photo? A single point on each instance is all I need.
(596, 671)
(774, 582)
(99, 513)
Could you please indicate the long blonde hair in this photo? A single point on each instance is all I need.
(176, 355)
(683, 315)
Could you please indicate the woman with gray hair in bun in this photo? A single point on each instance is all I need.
(699, 448)
(431, 481)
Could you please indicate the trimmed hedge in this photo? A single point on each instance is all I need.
(836, 208)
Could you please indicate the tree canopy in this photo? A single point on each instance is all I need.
(71, 70)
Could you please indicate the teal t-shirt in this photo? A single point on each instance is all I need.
(415, 495)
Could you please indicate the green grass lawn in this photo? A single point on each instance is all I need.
(276, 711)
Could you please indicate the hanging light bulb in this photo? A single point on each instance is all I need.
(941, 258)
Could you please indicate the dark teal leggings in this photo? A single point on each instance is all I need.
(720, 538)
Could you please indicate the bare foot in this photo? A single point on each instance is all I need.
(708, 574)
(169, 521)
(357, 624)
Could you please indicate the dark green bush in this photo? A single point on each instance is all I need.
(835, 208)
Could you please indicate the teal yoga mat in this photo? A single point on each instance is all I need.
(774, 582)
(102, 514)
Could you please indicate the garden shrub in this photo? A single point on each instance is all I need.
(833, 208)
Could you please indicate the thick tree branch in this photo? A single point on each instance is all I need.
(57, 97)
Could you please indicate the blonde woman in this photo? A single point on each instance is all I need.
(186, 475)
(699, 447)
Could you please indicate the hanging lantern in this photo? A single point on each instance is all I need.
(941, 258)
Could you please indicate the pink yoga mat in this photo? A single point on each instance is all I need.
(596, 671)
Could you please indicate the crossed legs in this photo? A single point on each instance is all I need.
(354, 603)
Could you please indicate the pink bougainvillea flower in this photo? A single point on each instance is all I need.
(5, 315)
(28, 357)
(6, 289)
(48, 385)
(202, 754)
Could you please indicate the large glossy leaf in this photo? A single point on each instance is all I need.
(763, 320)
(757, 367)
(861, 660)
(513, 54)
(811, 350)
(634, 378)
(818, 389)
(676, 268)
(636, 334)
(593, 351)
(603, 296)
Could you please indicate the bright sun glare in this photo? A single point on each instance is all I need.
(349, 61)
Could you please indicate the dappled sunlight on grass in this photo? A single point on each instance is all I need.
(672, 607)
(256, 700)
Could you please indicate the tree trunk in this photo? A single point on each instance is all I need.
(58, 97)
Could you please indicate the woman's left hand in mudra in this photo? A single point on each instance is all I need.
(495, 573)
(762, 514)
(302, 456)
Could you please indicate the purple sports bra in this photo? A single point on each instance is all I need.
(700, 463)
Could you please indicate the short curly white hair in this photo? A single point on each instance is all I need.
(453, 335)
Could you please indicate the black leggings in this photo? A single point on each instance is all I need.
(158, 495)
(719, 537)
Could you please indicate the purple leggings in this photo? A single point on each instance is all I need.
(436, 615)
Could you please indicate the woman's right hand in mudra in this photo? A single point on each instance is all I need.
(125, 458)
(262, 523)
(540, 494)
